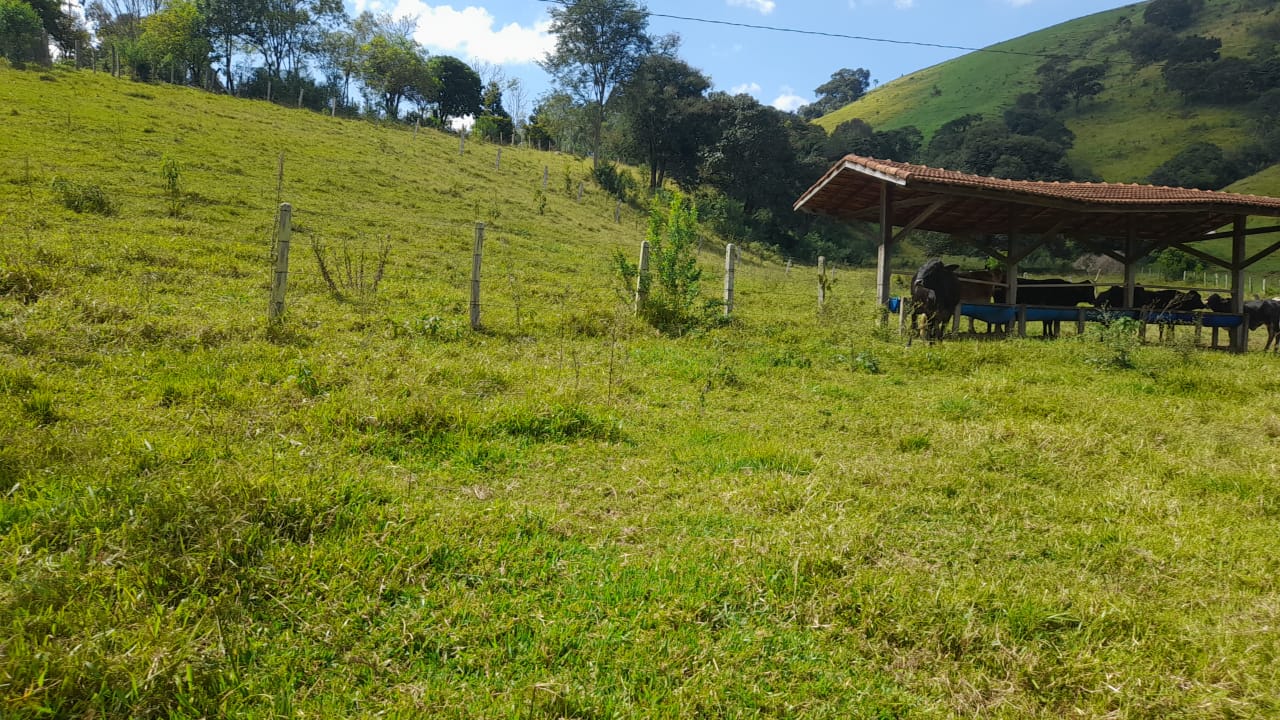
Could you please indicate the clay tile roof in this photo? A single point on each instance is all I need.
(850, 190)
(1098, 193)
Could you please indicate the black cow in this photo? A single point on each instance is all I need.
(1265, 312)
(1113, 297)
(1218, 303)
(935, 291)
(1044, 293)
(1172, 300)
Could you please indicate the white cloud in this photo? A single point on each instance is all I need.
(471, 32)
(904, 4)
(1020, 3)
(788, 101)
(764, 7)
(748, 88)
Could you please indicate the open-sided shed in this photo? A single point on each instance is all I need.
(1125, 222)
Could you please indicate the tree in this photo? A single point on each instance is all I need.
(1084, 82)
(227, 23)
(751, 158)
(599, 45)
(844, 87)
(284, 32)
(1173, 14)
(494, 122)
(20, 30)
(1229, 80)
(661, 111)
(560, 122)
(456, 87)
(392, 68)
(175, 38)
(1200, 165)
(62, 27)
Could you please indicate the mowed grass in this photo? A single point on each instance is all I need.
(370, 510)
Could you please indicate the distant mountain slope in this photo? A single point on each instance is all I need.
(1122, 135)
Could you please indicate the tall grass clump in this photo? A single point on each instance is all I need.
(83, 197)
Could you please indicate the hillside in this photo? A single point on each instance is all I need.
(370, 510)
(1121, 135)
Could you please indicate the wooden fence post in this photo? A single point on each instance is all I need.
(617, 213)
(642, 278)
(730, 255)
(280, 277)
(416, 123)
(462, 141)
(475, 277)
(581, 186)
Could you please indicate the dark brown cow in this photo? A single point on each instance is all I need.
(935, 291)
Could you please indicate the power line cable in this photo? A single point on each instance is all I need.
(862, 38)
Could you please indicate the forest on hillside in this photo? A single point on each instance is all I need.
(624, 95)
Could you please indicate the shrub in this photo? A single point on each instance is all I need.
(618, 183)
(1119, 338)
(171, 171)
(83, 197)
(673, 281)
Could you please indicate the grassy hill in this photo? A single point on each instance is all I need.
(370, 510)
(1122, 135)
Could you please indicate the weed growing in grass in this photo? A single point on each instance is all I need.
(866, 362)
(540, 199)
(344, 271)
(306, 379)
(83, 197)
(1118, 337)
(171, 171)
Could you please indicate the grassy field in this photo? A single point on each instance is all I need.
(370, 510)
(1122, 135)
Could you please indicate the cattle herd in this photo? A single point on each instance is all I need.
(937, 289)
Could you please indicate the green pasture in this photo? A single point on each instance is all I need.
(370, 510)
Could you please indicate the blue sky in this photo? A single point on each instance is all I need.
(779, 69)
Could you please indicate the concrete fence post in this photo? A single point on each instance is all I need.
(642, 277)
(280, 275)
(475, 276)
(730, 256)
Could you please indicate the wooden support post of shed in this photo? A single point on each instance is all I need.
(1240, 338)
(1130, 264)
(885, 254)
(1011, 289)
